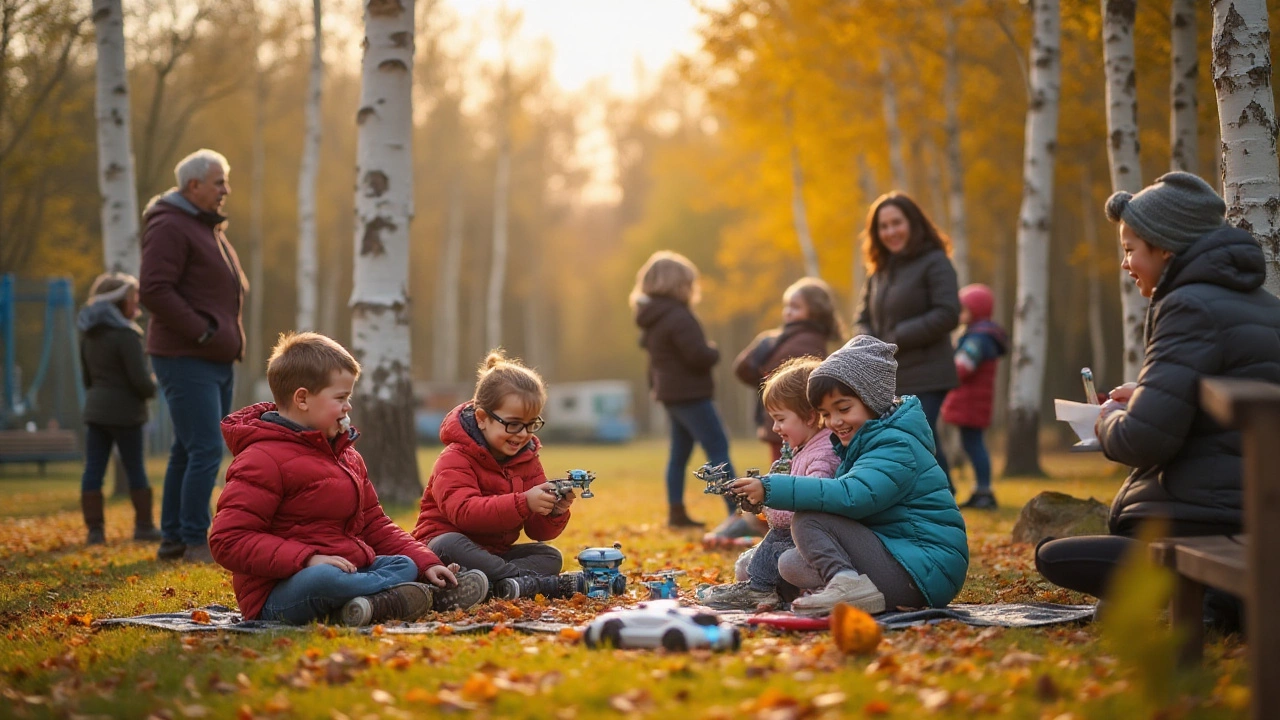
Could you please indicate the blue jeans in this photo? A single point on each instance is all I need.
(314, 593)
(763, 570)
(695, 421)
(931, 403)
(198, 393)
(98, 440)
(976, 449)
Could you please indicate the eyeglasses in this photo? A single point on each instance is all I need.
(514, 427)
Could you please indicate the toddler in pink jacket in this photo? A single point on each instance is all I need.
(786, 401)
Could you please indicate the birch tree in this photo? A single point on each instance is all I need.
(308, 173)
(1122, 151)
(446, 336)
(384, 208)
(255, 364)
(1034, 220)
(799, 215)
(1247, 115)
(501, 207)
(1185, 73)
(955, 166)
(889, 98)
(115, 146)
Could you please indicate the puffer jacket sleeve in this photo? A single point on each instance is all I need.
(241, 539)
(164, 257)
(1184, 343)
(456, 490)
(380, 531)
(943, 314)
(879, 479)
(544, 527)
(691, 344)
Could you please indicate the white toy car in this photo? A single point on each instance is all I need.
(661, 623)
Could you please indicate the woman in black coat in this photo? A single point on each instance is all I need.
(911, 299)
(1209, 316)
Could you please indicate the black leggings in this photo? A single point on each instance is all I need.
(1085, 564)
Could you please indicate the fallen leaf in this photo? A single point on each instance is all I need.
(853, 630)
(875, 708)
(934, 699)
(479, 687)
(383, 697)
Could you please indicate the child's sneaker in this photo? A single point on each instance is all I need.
(406, 601)
(846, 587)
(738, 596)
(471, 590)
(549, 586)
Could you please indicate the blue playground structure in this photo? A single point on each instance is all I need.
(58, 362)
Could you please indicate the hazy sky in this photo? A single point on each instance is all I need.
(596, 38)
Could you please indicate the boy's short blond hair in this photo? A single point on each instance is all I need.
(305, 360)
(787, 386)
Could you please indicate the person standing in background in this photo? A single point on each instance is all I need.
(192, 285)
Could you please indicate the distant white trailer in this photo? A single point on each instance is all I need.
(592, 411)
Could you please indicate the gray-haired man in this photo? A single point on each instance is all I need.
(192, 284)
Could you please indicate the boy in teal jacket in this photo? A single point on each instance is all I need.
(886, 532)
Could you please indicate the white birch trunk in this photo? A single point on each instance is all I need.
(955, 165)
(867, 183)
(308, 172)
(501, 201)
(799, 215)
(446, 334)
(115, 146)
(1097, 336)
(897, 156)
(1184, 148)
(1034, 220)
(1122, 150)
(1247, 113)
(384, 209)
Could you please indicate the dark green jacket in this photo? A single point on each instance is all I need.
(889, 481)
(115, 369)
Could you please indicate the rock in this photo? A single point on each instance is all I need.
(1055, 514)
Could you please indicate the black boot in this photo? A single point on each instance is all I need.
(91, 506)
(548, 586)
(678, 518)
(144, 528)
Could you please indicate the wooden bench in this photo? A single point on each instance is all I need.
(1247, 566)
(39, 446)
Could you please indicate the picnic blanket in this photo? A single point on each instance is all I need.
(1011, 615)
(222, 618)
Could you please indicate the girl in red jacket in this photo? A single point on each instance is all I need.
(299, 524)
(968, 407)
(488, 485)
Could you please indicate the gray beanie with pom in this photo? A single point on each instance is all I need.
(866, 365)
(1175, 211)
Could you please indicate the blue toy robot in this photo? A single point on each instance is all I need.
(600, 569)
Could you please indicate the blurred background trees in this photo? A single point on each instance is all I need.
(756, 156)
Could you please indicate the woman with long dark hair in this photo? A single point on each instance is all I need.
(911, 299)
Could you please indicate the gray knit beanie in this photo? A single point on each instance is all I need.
(1175, 211)
(867, 365)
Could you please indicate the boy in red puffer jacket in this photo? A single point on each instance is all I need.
(968, 407)
(299, 524)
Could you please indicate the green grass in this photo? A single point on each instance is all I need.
(53, 666)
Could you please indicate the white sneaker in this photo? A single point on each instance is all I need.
(848, 588)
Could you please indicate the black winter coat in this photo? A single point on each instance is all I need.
(915, 304)
(118, 380)
(680, 358)
(1209, 316)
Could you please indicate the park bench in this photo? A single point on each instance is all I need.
(1247, 566)
(38, 446)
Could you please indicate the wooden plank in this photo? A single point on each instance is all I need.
(1225, 398)
(1261, 452)
(1222, 567)
(1186, 614)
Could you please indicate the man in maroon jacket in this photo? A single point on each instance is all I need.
(192, 285)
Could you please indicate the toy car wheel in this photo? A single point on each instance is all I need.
(673, 640)
(588, 640)
(611, 633)
(618, 585)
(735, 640)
